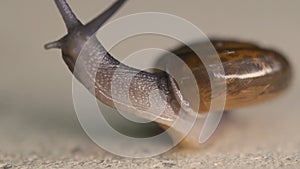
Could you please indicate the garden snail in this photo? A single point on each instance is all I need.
(252, 74)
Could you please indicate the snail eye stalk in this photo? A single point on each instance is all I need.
(69, 17)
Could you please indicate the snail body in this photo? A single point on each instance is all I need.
(252, 74)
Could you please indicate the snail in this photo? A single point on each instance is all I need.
(252, 74)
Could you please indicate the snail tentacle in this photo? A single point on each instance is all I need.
(52, 45)
(94, 25)
(69, 17)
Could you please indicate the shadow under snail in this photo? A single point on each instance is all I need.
(252, 74)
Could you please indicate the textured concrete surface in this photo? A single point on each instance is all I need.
(39, 128)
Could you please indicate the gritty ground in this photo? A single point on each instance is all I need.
(240, 142)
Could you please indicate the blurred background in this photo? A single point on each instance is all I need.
(38, 125)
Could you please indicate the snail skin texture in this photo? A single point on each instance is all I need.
(252, 74)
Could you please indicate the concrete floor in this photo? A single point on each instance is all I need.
(38, 125)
